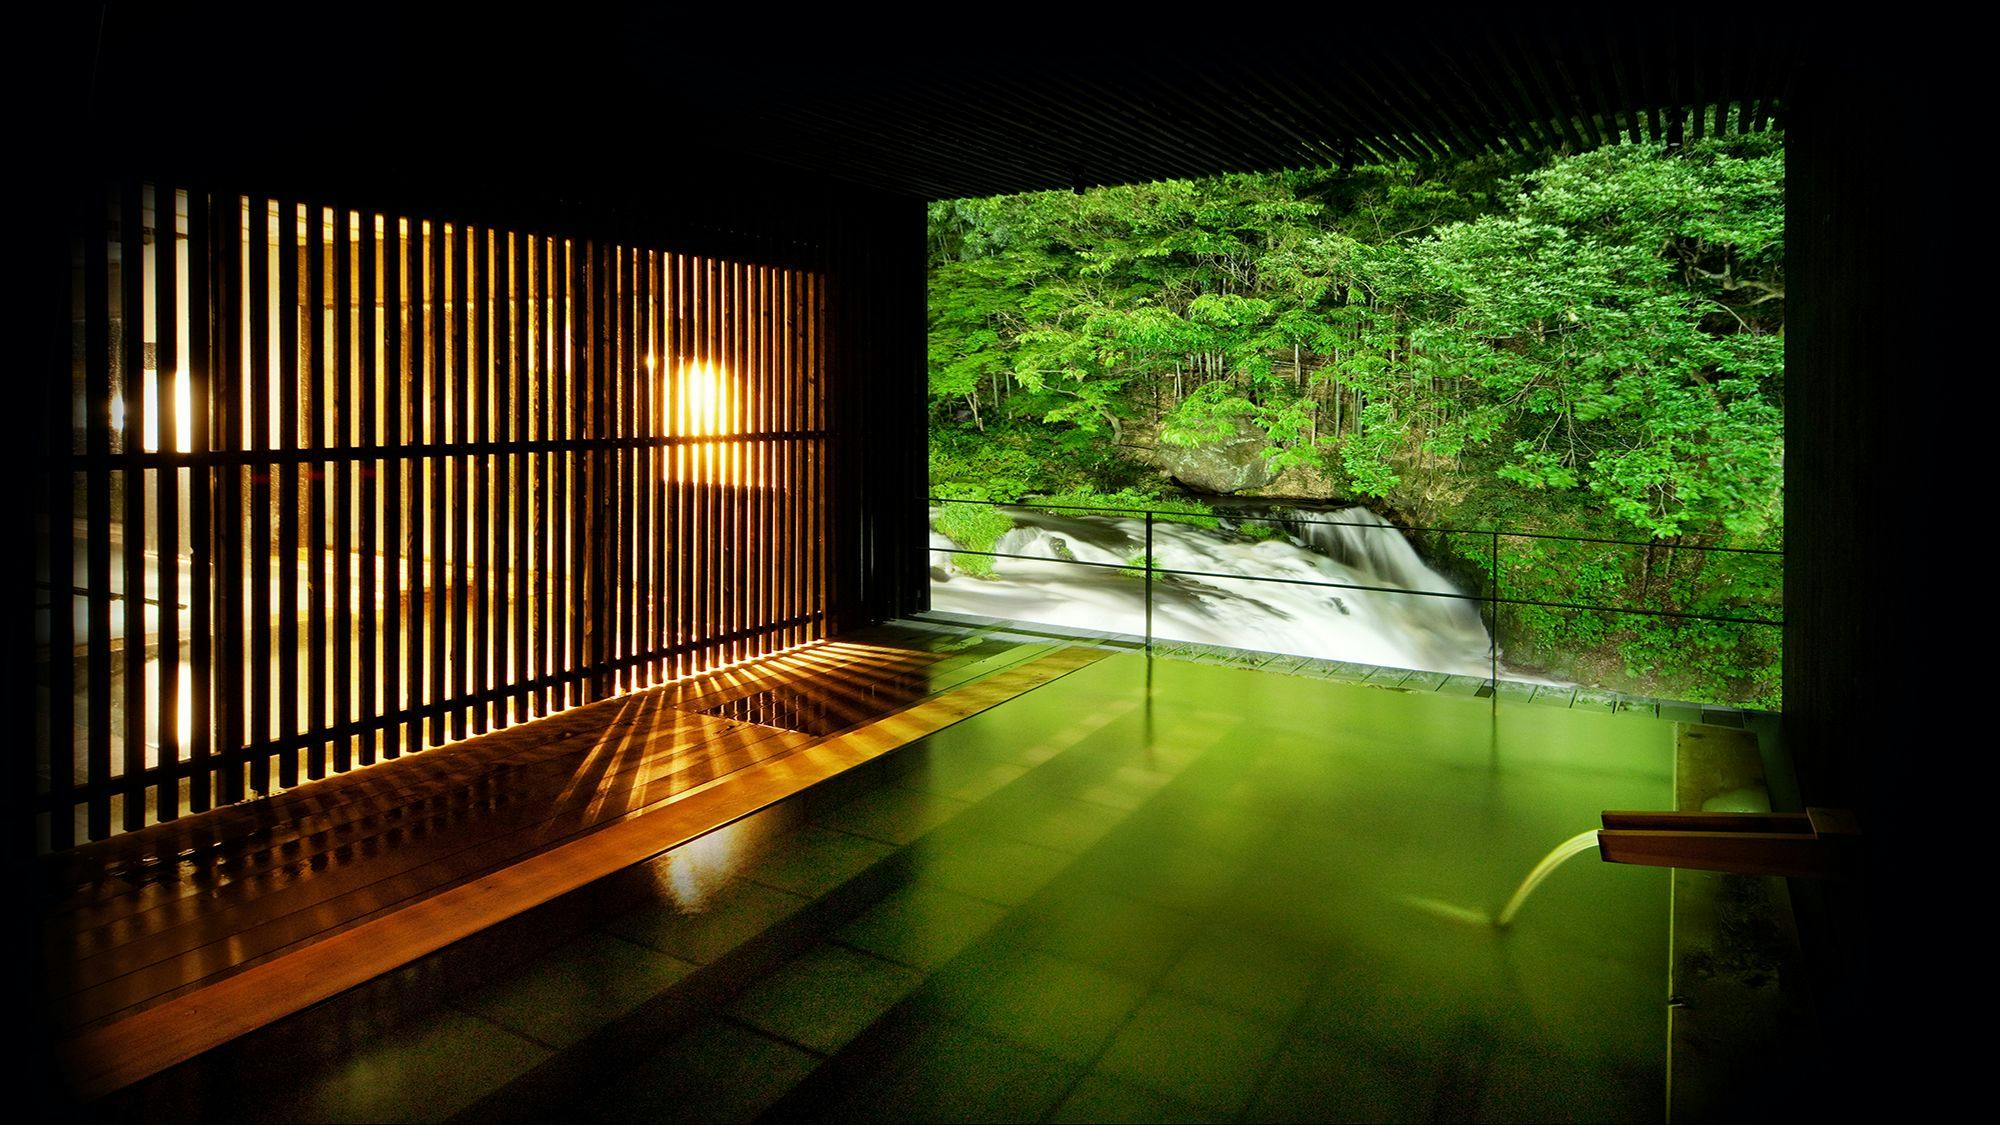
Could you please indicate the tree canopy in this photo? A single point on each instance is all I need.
(1590, 342)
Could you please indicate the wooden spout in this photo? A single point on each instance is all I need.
(1817, 843)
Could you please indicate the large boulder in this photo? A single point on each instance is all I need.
(1233, 464)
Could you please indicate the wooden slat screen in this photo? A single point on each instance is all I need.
(327, 486)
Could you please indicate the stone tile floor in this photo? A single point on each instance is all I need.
(1180, 895)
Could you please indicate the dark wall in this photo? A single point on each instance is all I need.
(879, 444)
(1847, 265)
(1842, 354)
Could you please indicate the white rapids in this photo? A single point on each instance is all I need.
(1354, 546)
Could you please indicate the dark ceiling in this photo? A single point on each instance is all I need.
(958, 133)
(929, 111)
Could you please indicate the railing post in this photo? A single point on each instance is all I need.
(1149, 582)
(1493, 630)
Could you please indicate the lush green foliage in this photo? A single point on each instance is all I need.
(1591, 345)
(976, 527)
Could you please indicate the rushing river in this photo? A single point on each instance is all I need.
(1353, 546)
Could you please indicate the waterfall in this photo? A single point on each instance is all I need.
(1378, 626)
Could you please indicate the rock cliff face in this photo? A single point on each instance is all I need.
(1235, 464)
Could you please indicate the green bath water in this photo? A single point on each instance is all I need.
(1176, 892)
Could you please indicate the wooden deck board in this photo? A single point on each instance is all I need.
(110, 1056)
(155, 916)
(362, 804)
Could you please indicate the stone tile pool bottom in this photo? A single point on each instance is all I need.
(1080, 906)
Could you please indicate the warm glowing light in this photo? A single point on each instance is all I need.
(183, 412)
(185, 693)
(699, 868)
(703, 399)
(703, 409)
(690, 875)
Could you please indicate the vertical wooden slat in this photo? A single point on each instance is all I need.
(788, 306)
(422, 405)
(675, 456)
(760, 404)
(600, 494)
(556, 470)
(739, 484)
(288, 470)
(132, 526)
(639, 503)
(687, 478)
(756, 487)
(461, 475)
(733, 381)
(637, 457)
(639, 460)
(780, 450)
(439, 462)
(619, 283)
(740, 496)
(663, 531)
(201, 497)
(483, 371)
(714, 595)
(97, 509)
(753, 457)
(342, 510)
(809, 451)
(583, 471)
(770, 361)
(546, 661)
(596, 493)
(816, 403)
(232, 410)
(795, 418)
(367, 546)
(786, 449)
(611, 534)
(702, 472)
(61, 386)
(518, 468)
(579, 285)
(605, 491)
(655, 463)
(167, 365)
(257, 303)
(809, 468)
(394, 376)
(795, 328)
(687, 351)
(629, 475)
(319, 435)
(569, 574)
(610, 539)
(768, 424)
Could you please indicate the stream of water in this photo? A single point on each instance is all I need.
(1354, 546)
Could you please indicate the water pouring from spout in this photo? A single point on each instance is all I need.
(1575, 845)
